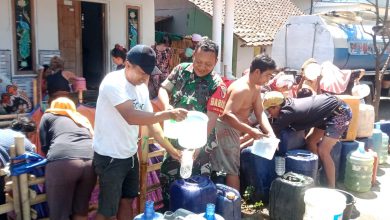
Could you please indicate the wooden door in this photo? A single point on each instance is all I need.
(69, 31)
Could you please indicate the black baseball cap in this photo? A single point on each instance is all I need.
(145, 57)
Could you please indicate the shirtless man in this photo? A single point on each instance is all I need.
(243, 97)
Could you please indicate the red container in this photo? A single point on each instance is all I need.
(375, 167)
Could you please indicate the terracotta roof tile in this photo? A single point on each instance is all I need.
(256, 21)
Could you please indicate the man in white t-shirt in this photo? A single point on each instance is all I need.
(123, 104)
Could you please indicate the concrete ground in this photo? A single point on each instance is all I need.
(375, 205)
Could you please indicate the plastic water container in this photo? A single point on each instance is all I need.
(286, 196)
(358, 171)
(192, 194)
(368, 142)
(194, 130)
(303, 162)
(353, 102)
(381, 143)
(366, 120)
(265, 147)
(178, 214)
(346, 148)
(186, 164)
(228, 202)
(149, 213)
(290, 139)
(210, 213)
(361, 91)
(384, 126)
(280, 165)
(172, 128)
(383, 151)
(377, 140)
(324, 204)
(257, 172)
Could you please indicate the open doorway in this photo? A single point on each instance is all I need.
(92, 30)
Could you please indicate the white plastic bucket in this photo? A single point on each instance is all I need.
(172, 128)
(324, 204)
(265, 147)
(193, 132)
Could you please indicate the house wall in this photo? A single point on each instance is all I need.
(199, 22)
(304, 5)
(46, 34)
(180, 11)
(187, 18)
(244, 58)
(116, 29)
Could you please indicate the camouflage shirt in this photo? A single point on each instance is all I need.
(195, 93)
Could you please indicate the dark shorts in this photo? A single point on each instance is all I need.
(338, 122)
(118, 178)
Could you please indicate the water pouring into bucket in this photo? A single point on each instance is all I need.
(191, 134)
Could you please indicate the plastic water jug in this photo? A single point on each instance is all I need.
(228, 203)
(384, 126)
(381, 143)
(265, 147)
(346, 148)
(192, 194)
(149, 213)
(366, 120)
(280, 165)
(194, 129)
(303, 162)
(186, 164)
(353, 102)
(210, 213)
(257, 172)
(324, 203)
(383, 151)
(358, 171)
(290, 139)
(286, 196)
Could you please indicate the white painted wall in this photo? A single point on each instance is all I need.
(244, 58)
(5, 25)
(117, 21)
(46, 25)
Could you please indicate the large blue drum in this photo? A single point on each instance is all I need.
(192, 194)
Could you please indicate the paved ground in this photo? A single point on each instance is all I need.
(375, 205)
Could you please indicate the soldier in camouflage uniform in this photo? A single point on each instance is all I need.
(193, 86)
